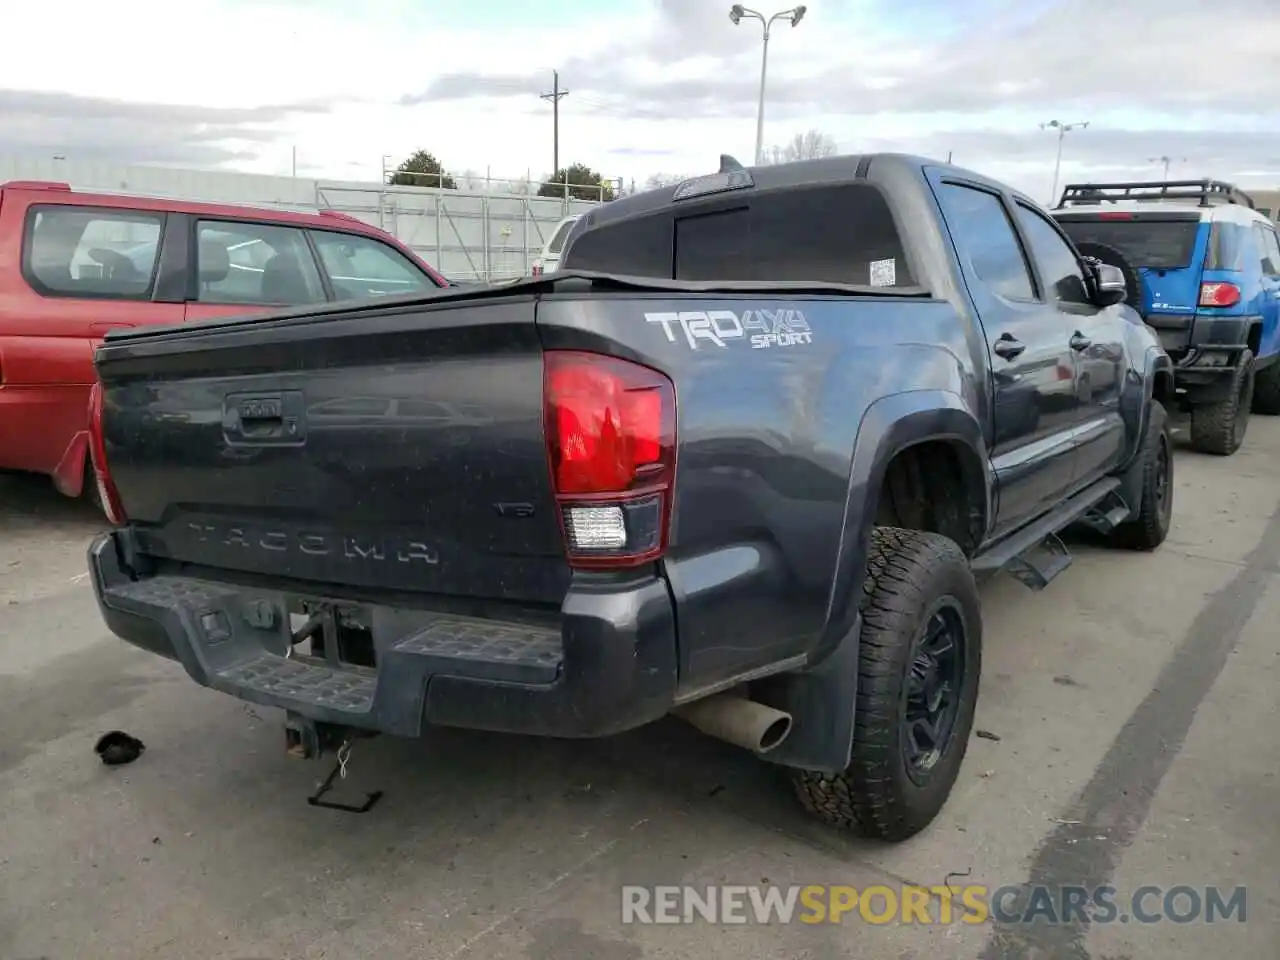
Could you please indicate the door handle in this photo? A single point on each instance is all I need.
(1008, 347)
(1080, 342)
(276, 418)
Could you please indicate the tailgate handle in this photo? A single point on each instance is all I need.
(264, 418)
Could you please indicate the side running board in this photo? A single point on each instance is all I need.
(1036, 554)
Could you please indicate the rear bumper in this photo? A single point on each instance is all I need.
(1206, 361)
(610, 667)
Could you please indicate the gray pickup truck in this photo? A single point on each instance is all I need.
(741, 460)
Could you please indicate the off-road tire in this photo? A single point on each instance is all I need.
(1137, 295)
(909, 574)
(1147, 528)
(1266, 390)
(1219, 428)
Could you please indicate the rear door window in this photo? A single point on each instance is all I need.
(75, 251)
(255, 263)
(361, 267)
(985, 238)
(1150, 243)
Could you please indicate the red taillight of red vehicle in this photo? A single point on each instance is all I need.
(611, 439)
(1219, 294)
(107, 492)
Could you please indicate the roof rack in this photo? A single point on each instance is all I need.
(1205, 192)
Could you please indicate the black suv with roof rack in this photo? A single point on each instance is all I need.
(1203, 267)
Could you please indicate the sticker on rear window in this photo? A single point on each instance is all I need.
(884, 273)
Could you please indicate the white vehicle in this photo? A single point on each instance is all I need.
(549, 259)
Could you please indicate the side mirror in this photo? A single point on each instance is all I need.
(1111, 285)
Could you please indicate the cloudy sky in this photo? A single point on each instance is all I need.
(655, 85)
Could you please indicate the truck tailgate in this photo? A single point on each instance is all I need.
(399, 449)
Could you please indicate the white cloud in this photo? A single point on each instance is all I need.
(667, 86)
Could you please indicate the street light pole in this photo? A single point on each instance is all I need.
(1166, 161)
(1063, 129)
(738, 13)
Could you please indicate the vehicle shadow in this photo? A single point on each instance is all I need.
(29, 502)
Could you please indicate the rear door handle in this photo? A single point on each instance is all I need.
(1080, 342)
(1008, 347)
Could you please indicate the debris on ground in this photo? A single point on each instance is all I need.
(118, 748)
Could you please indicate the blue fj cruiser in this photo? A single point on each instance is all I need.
(1203, 265)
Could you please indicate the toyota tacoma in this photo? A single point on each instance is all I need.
(742, 459)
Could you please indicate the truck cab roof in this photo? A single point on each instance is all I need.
(784, 176)
(857, 220)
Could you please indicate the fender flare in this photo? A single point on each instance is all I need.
(821, 698)
(889, 426)
(1155, 364)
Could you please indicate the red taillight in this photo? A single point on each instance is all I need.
(1115, 216)
(107, 492)
(537, 270)
(611, 436)
(1219, 294)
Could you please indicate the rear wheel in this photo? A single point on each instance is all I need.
(1219, 428)
(919, 660)
(1266, 390)
(1148, 528)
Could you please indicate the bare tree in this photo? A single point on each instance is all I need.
(471, 181)
(809, 145)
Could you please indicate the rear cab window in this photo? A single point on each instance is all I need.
(91, 252)
(360, 267)
(840, 233)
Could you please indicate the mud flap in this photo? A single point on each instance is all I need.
(821, 701)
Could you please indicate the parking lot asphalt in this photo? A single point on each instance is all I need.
(1129, 739)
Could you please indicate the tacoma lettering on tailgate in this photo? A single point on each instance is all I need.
(375, 548)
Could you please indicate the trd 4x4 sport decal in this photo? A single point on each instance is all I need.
(763, 328)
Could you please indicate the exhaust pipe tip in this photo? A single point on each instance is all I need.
(737, 720)
(774, 734)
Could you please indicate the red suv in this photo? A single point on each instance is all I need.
(75, 265)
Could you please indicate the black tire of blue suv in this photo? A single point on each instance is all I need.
(1266, 391)
(917, 586)
(1219, 427)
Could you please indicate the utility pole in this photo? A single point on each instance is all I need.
(555, 96)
